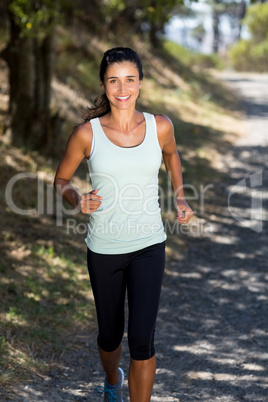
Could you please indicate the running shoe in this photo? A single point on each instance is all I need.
(112, 394)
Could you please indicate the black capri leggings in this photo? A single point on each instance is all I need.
(141, 273)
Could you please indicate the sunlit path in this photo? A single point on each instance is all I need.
(214, 318)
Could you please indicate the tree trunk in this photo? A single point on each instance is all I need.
(216, 30)
(21, 104)
(44, 53)
(241, 15)
(30, 61)
(153, 34)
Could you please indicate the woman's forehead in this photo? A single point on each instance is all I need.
(125, 68)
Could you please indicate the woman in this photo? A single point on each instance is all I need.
(126, 238)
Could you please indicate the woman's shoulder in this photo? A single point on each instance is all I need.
(83, 131)
(82, 136)
(163, 123)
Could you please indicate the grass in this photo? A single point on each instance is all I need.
(193, 59)
(45, 291)
(46, 295)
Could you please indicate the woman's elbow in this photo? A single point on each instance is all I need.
(59, 183)
(55, 182)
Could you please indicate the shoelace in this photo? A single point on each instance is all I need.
(111, 391)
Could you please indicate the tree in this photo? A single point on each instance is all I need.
(30, 51)
(143, 16)
(156, 14)
(252, 54)
(218, 8)
(30, 58)
(235, 9)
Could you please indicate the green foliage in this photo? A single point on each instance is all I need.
(249, 56)
(252, 54)
(136, 15)
(257, 21)
(34, 18)
(159, 11)
(193, 59)
(38, 17)
(115, 5)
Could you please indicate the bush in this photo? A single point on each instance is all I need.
(208, 61)
(257, 21)
(191, 58)
(249, 56)
(252, 54)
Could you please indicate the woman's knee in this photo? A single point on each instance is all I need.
(141, 347)
(108, 344)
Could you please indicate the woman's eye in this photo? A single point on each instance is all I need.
(113, 81)
(130, 80)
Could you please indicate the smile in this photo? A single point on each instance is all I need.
(122, 98)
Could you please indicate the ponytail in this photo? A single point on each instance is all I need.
(100, 108)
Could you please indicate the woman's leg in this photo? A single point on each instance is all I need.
(141, 379)
(107, 276)
(110, 362)
(144, 280)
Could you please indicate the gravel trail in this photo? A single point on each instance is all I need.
(212, 331)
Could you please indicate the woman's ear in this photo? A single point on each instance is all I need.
(140, 85)
(102, 85)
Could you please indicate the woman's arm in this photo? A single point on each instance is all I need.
(78, 147)
(172, 162)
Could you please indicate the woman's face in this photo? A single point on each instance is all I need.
(122, 84)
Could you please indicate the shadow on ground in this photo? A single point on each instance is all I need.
(213, 331)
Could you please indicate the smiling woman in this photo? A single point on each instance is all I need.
(122, 85)
(126, 237)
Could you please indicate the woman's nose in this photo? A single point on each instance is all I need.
(121, 87)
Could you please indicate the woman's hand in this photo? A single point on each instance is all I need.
(184, 211)
(90, 202)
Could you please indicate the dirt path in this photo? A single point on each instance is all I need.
(212, 332)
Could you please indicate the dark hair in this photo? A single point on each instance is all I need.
(111, 56)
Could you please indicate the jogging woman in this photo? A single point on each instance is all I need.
(126, 238)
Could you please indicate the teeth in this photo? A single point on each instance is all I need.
(123, 97)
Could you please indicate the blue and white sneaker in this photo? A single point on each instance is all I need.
(112, 393)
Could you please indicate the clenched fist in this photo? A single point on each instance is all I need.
(90, 202)
(184, 211)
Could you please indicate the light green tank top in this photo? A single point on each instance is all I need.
(129, 218)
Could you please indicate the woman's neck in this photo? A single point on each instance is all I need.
(123, 120)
